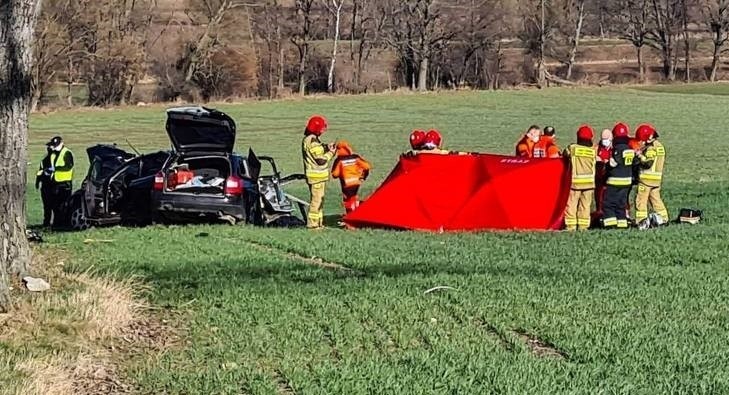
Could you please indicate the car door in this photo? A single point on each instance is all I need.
(104, 161)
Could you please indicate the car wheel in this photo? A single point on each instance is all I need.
(287, 221)
(78, 217)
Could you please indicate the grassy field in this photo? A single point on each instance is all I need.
(599, 312)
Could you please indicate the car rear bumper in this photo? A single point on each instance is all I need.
(199, 205)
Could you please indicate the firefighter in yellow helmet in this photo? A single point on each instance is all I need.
(652, 160)
(317, 160)
(582, 158)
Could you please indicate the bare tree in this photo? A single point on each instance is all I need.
(367, 23)
(574, 15)
(17, 25)
(267, 24)
(538, 23)
(666, 24)
(211, 14)
(716, 15)
(302, 38)
(634, 16)
(416, 32)
(686, 38)
(335, 9)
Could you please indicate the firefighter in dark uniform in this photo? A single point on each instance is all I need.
(620, 179)
(54, 177)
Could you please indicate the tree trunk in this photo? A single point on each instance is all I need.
(576, 38)
(303, 52)
(337, 18)
(686, 42)
(17, 24)
(423, 74)
(715, 62)
(281, 59)
(69, 82)
(641, 66)
(541, 68)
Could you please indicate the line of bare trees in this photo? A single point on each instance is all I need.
(207, 49)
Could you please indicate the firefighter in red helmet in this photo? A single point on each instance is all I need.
(582, 160)
(652, 157)
(317, 158)
(620, 179)
(433, 142)
(417, 139)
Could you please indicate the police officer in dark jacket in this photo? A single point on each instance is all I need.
(620, 179)
(54, 176)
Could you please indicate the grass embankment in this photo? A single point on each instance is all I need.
(618, 312)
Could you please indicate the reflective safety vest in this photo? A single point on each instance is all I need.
(546, 148)
(62, 172)
(655, 153)
(620, 172)
(583, 166)
(525, 148)
(351, 170)
(316, 159)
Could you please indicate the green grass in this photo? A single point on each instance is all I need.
(718, 89)
(632, 312)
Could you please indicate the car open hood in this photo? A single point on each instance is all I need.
(200, 129)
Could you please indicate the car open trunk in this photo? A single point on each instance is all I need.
(198, 175)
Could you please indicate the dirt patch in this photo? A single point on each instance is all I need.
(539, 347)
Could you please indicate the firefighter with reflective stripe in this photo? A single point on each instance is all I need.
(525, 146)
(351, 170)
(54, 177)
(652, 161)
(620, 179)
(547, 147)
(582, 157)
(317, 159)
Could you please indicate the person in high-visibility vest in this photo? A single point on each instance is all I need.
(317, 160)
(620, 179)
(55, 176)
(351, 170)
(525, 146)
(582, 157)
(652, 161)
(547, 146)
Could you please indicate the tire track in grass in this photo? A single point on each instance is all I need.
(283, 385)
(312, 261)
(538, 347)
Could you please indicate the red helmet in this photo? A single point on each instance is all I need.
(585, 132)
(645, 132)
(417, 139)
(316, 125)
(433, 138)
(620, 130)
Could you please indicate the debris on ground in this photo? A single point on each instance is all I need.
(89, 241)
(439, 288)
(36, 284)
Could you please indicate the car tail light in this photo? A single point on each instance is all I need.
(159, 181)
(233, 186)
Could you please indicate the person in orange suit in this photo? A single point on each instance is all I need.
(525, 146)
(547, 146)
(351, 170)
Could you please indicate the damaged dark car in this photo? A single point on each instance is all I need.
(200, 180)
